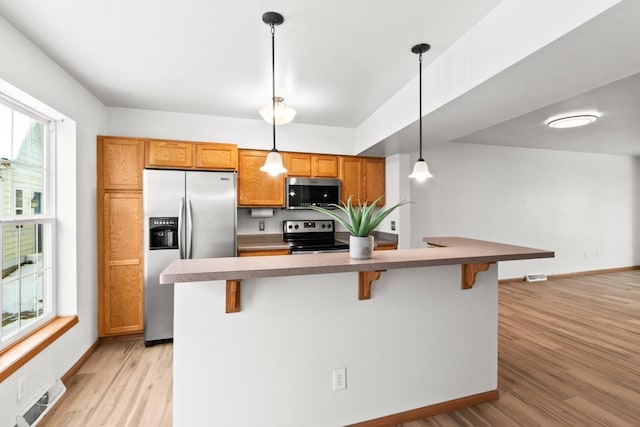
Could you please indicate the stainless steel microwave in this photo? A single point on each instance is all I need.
(302, 193)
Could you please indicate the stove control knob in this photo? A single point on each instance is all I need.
(323, 226)
(290, 226)
(328, 225)
(296, 226)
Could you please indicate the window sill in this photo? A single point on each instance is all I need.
(16, 356)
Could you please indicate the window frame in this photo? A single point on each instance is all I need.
(47, 216)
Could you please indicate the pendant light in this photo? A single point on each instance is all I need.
(273, 165)
(420, 169)
(284, 113)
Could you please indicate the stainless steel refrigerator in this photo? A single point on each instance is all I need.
(187, 214)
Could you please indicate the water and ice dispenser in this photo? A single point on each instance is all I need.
(163, 233)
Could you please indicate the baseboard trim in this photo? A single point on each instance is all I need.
(576, 274)
(76, 366)
(429, 411)
(125, 337)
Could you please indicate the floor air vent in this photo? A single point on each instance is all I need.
(536, 277)
(33, 414)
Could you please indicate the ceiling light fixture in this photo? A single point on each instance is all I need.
(284, 113)
(572, 121)
(420, 169)
(273, 164)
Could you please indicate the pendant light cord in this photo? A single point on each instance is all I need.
(420, 107)
(273, 82)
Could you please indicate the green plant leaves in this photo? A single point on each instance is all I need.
(360, 220)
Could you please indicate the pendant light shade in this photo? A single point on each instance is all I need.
(420, 169)
(273, 164)
(284, 114)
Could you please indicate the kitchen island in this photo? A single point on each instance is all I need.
(257, 339)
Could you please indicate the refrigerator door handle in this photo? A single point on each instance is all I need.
(181, 244)
(189, 233)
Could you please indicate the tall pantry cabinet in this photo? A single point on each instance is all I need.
(120, 297)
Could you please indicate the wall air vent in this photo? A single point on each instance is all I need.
(34, 413)
(535, 277)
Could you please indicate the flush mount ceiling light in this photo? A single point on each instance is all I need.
(273, 164)
(284, 113)
(572, 121)
(420, 169)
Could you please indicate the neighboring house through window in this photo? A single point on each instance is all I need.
(27, 220)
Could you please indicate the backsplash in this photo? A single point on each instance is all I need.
(273, 225)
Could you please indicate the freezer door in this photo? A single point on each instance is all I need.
(163, 191)
(211, 210)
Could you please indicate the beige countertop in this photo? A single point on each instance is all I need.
(446, 251)
(266, 242)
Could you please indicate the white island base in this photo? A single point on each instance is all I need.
(419, 341)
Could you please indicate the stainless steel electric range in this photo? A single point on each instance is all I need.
(312, 237)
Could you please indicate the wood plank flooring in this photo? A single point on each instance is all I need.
(569, 355)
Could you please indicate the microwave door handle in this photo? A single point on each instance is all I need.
(181, 229)
(189, 233)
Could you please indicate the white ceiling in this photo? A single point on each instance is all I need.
(338, 61)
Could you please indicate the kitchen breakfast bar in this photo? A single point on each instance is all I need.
(263, 340)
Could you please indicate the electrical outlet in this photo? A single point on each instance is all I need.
(261, 225)
(393, 226)
(339, 379)
(21, 388)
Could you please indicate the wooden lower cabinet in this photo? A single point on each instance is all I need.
(257, 188)
(120, 293)
(389, 247)
(266, 252)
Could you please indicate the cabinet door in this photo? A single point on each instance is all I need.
(257, 188)
(374, 179)
(121, 288)
(297, 164)
(325, 166)
(350, 179)
(266, 252)
(217, 156)
(120, 163)
(170, 154)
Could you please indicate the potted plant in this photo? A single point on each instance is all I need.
(360, 221)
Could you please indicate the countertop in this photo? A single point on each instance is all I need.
(266, 242)
(445, 251)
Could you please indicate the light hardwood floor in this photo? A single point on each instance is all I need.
(569, 354)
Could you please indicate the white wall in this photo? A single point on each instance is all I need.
(418, 341)
(244, 132)
(579, 205)
(27, 68)
(636, 210)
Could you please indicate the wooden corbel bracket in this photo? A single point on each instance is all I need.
(364, 283)
(233, 296)
(469, 272)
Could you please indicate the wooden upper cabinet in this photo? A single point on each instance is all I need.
(120, 163)
(374, 179)
(350, 179)
(297, 164)
(169, 154)
(217, 156)
(257, 188)
(323, 165)
(363, 178)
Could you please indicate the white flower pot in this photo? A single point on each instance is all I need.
(361, 247)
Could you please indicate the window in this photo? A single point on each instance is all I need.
(27, 221)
